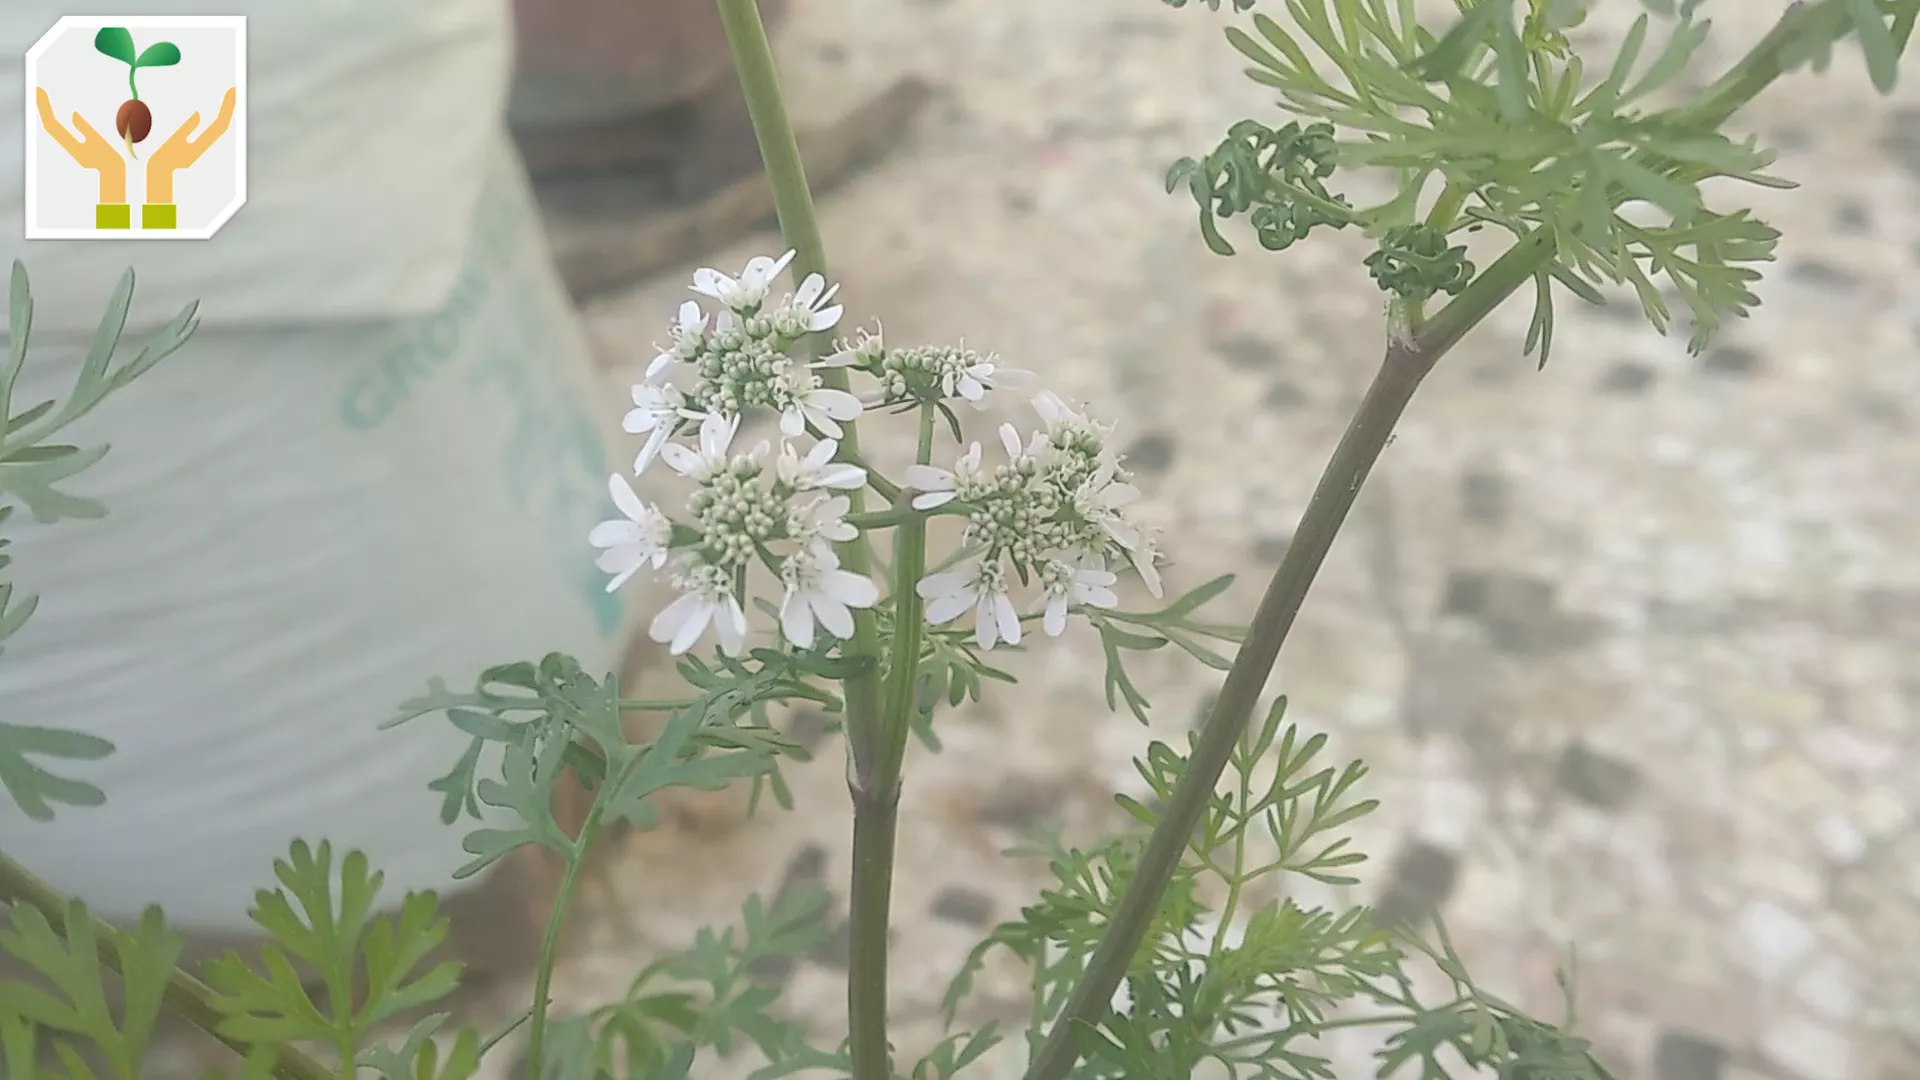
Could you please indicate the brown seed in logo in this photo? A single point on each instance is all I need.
(134, 121)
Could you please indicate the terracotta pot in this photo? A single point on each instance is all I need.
(588, 61)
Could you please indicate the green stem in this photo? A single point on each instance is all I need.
(793, 203)
(909, 618)
(1764, 63)
(883, 519)
(905, 515)
(881, 486)
(641, 705)
(876, 802)
(1237, 880)
(1401, 371)
(556, 922)
(184, 995)
(1398, 1020)
(1446, 209)
(876, 816)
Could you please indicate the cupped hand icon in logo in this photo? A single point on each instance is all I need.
(196, 72)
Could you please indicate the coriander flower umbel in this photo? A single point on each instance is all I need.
(1052, 516)
(741, 358)
(929, 373)
(776, 511)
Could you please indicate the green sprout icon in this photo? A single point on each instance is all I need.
(134, 121)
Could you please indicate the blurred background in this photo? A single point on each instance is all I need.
(1625, 641)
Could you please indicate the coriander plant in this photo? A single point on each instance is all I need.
(806, 573)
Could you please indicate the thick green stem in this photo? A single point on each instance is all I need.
(1406, 364)
(876, 815)
(872, 783)
(186, 996)
(876, 803)
(793, 203)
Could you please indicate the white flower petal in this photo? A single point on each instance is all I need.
(1149, 573)
(944, 608)
(824, 423)
(984, 634)
(621, 574)
(833, 615)
(609, 533)
(944, 583)
(825, 318)
(843, 476)
(681, 623)
(1051, 409)
(716, 434)
(730, 622)
(625, 499)
(808, 294)
(835, 403)
(1014, 379)
(928, 478)
(851, 589)
(796, 619)
(1007, 618)
(680, 460)
(655, 441)
(1055, 619)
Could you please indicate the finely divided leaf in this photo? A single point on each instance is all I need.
(74, 999)
(328, 941)
(33, 787)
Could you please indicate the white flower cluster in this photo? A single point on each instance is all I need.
(933, 373)
(1051, 519)
(773, 508)
(1053, 515)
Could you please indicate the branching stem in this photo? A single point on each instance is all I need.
(1407, 362)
